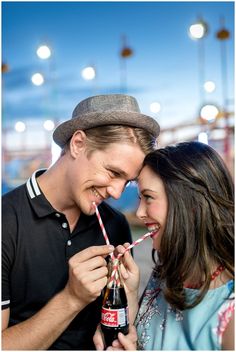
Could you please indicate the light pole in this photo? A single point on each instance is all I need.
(125, 53)
(45, 53)
(198, 31)
(222, 35)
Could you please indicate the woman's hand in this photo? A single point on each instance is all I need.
(129, 270)
(125, 342)
(130, 276)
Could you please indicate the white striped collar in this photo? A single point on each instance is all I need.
(32, 185)
(5, 303)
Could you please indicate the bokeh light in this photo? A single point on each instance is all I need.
(44, 52)
(155, 107)
(88, 73)
(209, 86)
(49, 125)
(203, 137)
(20, 126)
(198, 30)
(37, 79)
(209, 112)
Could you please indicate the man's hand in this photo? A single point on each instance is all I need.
(88, 274)
(98, 339)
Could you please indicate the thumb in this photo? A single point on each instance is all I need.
(128, 341)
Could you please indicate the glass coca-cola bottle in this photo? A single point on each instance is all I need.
(115, 317)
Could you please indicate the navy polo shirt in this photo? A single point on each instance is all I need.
(36, 246)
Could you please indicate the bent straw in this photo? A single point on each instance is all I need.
(135, 243)
(114, 274)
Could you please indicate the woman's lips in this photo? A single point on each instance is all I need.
(153, 227)
(154, 234)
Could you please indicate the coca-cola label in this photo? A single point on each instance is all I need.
(114, 317)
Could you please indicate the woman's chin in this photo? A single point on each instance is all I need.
(156, 241)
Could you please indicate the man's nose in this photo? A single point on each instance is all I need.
(116, 188)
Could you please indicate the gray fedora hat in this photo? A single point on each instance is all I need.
(102, 110)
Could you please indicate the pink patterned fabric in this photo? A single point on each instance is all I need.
(224, 317)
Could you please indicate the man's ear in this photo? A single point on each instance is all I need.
(77, 143)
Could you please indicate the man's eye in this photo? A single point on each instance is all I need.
(115, 174)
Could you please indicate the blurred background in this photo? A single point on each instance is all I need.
(176, 58)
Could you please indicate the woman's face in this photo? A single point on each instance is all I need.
(153, 205)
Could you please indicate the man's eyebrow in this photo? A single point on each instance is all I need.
(118, 170)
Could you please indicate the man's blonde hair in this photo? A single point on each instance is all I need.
(98, 138)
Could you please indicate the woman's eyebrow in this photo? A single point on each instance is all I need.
(147, 190)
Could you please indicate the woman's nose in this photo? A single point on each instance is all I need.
(141, 211)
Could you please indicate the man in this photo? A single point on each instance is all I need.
(54, 266)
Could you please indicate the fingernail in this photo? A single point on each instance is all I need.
(111, 248)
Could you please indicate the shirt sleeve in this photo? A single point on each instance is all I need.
(8, 250)
(224, 316)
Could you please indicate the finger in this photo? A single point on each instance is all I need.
(121, 249)
(96, 287)
(124, 272)
(94, 263)
(126, 244)
(91, 252)
(116, 343)
(98, 340)
(133, 333)
(129, 263)
(90, 276)
(127, 342)
(110, 348)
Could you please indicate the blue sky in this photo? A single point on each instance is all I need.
(163, 68)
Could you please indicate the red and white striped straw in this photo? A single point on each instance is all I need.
(135, 243)
(114, 274)
(102, 227)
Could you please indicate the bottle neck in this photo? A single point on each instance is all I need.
(114, 277)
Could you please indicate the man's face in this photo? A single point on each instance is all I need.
(104, 174)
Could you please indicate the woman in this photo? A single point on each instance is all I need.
(186, 198)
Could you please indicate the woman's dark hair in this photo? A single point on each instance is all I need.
(199, 230)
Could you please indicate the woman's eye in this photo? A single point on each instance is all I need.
(147, 197)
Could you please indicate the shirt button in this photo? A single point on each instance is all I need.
(64, 225)
(57, 215)
(69, 243)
